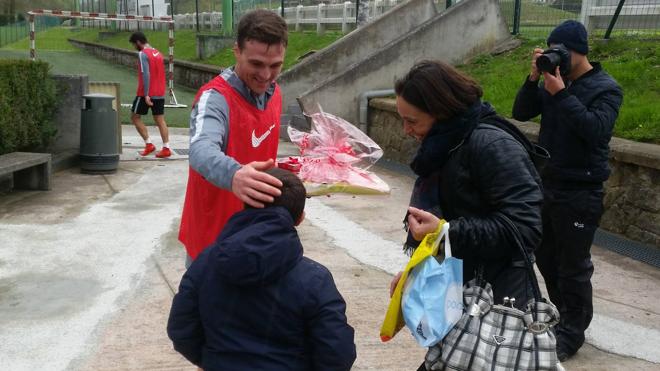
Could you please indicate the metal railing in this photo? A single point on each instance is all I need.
(340, 15)
(529, 18)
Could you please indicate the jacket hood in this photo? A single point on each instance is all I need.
(487, 111)
(257, 247)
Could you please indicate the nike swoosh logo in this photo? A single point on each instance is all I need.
(155, 54)
(256, 141)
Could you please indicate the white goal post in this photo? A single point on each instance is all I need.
(112, 17)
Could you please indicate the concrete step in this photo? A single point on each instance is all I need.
(354, 47)
(465, 30)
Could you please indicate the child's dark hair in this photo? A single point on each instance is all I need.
(293, 193)
(137, 36)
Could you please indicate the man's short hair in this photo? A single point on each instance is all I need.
(293, 193)
(137, 36)
(264, 26)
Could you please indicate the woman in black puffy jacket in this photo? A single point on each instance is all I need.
(474, 171)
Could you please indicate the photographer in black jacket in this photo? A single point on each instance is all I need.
(578, 111)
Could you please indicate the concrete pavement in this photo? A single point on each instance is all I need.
(88, 270)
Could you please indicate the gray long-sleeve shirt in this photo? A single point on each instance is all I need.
(209, 131)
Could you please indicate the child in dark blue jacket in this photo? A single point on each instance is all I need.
(251, 301)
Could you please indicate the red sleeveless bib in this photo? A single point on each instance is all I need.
(253, 136)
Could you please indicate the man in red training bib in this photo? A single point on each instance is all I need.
(150, 94)
(234, 132)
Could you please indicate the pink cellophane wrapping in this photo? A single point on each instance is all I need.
(335, 156)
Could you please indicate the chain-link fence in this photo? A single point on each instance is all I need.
(536, 18)
(14, 27)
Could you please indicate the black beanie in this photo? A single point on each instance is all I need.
(572, 34)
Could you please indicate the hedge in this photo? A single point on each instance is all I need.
(28, 100)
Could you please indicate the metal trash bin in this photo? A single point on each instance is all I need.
(98, 135)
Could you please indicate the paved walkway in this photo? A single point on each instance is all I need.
(88, 271)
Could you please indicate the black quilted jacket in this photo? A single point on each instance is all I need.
(576, 127)
(489, 177)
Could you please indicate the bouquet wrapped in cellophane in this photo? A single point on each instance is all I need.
(334, 158)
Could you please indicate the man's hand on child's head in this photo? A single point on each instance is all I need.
(254, 187)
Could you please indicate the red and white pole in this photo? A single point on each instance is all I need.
(33, 52)
(171, 64)
(171, 54)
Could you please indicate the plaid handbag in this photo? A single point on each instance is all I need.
(499, 337)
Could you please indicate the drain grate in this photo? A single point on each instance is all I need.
(632, 249)
(181, 151)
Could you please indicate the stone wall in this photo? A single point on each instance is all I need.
(65, 147)
(632, 200)
(70, 89)
(188, 74)
(208, 45)
(385, 127)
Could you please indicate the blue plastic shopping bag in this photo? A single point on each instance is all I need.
(433, 297)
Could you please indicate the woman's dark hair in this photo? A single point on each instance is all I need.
(137, 36)
(438, 89)
(264, 26)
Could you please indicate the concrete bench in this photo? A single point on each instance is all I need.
(29, 170)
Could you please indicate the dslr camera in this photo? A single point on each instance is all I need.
(556, 56)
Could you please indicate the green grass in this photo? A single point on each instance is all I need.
(635, 64)
(184, 47)
(300, 43)
(52, 39)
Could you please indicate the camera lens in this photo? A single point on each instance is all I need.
(548, 62)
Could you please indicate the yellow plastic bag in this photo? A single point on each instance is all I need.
(394, 318)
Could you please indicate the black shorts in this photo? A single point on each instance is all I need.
(140, 106)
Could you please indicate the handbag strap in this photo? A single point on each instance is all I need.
(444, 234)
(529, 264)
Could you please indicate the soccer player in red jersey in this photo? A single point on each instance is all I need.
(150, 94)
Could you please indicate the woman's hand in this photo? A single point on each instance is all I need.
(421, 223)
(395, 281)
